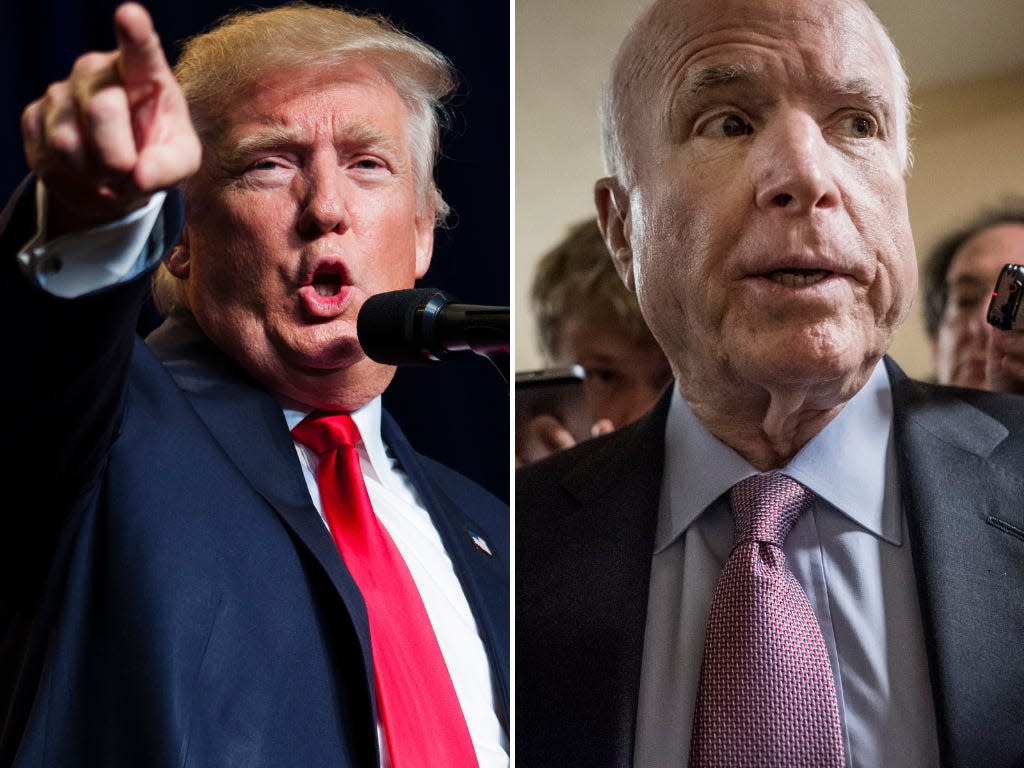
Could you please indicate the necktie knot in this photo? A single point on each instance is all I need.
(767, 506)
(323, 431)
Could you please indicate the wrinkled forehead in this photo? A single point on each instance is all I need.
(677, 44)
(270, 92)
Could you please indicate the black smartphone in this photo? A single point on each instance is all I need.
(1004, 309)
(555, 391)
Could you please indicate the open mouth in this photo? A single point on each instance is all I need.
(328, 279)
(327, 282)
(325, 292)
(798, 278)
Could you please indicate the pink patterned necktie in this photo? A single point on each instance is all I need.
(766, 695)
(419, 709)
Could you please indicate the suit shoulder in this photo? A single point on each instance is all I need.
(593, 466)
(918, 397)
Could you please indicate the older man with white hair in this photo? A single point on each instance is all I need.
(801, 557)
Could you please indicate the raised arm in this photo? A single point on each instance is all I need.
(116, 131)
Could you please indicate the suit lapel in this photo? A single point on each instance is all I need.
(483, 576)
(583, 681)
(250, 427)
(959, 481)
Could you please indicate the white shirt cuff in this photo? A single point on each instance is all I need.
(83, 262)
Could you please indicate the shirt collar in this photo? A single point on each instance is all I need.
(367, 419)
(847, 464)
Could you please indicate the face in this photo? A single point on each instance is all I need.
(763, 220)
(623, 379)
(960, 346)
(304, 206)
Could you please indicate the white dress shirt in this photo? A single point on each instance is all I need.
(850, 553)
(398, 508)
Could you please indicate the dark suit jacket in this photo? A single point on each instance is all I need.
(180, 603)
(585, 523)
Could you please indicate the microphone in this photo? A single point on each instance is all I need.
(421, 326)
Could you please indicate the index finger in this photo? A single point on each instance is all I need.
(142, 57)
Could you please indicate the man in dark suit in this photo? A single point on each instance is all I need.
(756, 204)
(171, 593)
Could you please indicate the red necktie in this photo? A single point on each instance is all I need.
(766, 696)
(419, 710)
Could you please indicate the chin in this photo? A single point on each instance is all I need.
(349, 388)
(343, 387)
(812, 366)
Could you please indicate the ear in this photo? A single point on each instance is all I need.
(177, 261)
(424, 243)
(616, 226)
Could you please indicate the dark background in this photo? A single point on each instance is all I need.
(457, 412)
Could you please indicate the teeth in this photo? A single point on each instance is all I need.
(327, 283)
(798, 278)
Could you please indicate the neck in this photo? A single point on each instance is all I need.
(768, 424)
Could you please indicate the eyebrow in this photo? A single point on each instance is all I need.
(718, 76)
(356, 135)
(968, 280)
(858, 87)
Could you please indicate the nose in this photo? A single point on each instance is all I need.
(323, 207)
(794, 172)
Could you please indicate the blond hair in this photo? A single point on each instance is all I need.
(245, 47)
(577, 276)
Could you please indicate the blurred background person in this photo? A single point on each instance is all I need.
(586, 317)
(959, 278)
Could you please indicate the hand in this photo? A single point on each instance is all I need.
(545, 435)
(117, 130)
(1005, 367)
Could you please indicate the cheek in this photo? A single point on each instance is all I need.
(389, 234)
(669, 240)
(233, 258)
(883, 225)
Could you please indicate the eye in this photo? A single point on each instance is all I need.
(729, 125)
(602, 376)
(859, 126)
(264, 165)
(968, 300)
(369, 164)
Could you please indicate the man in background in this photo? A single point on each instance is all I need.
(959, 279)
(233, 555)
(800, 557)
(586, 317)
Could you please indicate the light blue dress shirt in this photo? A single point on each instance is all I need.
(850, 552)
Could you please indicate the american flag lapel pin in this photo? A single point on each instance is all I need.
(479, 542)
